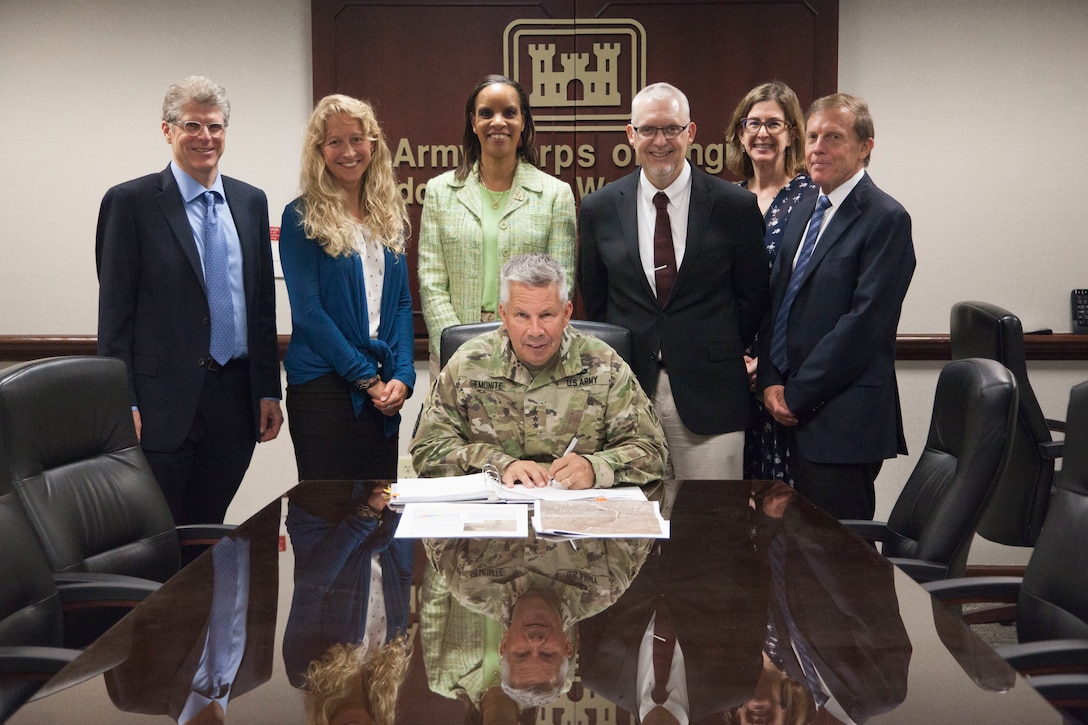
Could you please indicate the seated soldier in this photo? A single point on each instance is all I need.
(539, 400)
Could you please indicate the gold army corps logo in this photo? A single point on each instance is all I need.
(567, 85)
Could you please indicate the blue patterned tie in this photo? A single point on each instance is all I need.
(781, 320)
(797, 641)
(217, 282)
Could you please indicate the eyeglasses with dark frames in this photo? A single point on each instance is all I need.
(774, 126)
(670, 132)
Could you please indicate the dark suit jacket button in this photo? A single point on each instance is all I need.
(202, 361)
(206, 321)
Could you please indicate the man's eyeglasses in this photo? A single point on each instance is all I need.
(774, 126)
(215, 130)
(670, 132)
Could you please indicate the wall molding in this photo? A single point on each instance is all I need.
(16, 348)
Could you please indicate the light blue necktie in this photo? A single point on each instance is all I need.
(221, 616)
(781, 320)
(217, 282)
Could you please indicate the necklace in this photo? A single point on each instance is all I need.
(497, 197)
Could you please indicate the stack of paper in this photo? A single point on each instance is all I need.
(464, 507)
(473, 487)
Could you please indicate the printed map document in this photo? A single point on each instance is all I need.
(601, 519)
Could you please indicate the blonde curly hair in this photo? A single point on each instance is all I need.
(324, 204)
(348, 675)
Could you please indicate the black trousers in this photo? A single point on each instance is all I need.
(200, 478)
(331, 443)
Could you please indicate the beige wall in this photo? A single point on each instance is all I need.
(976, 115)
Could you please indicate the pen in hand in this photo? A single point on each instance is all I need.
(570, 449)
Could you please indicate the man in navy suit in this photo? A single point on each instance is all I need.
(198, 417)
(688, 277)
(827, 351)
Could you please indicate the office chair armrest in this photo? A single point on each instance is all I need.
(1047, 657)
(1064, 692)
(92, 603)
(868, 530)
(1057, 426)
(195, 539)
(99, 577)
(975, 590)
(202, 534)
(34, 663)
(111, 590)
(920, 570)
(1052, 450)
(872, 531)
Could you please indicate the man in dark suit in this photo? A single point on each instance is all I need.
(827, 353)
(677, 256)
(202, 356)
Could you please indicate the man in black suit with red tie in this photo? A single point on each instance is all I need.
(827, 350)
(677, 256)
(187, 301)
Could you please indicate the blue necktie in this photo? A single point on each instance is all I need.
(222, 614)
(797, 640)
(217, 282)
(781, 320)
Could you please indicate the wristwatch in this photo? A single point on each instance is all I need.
(366, 383)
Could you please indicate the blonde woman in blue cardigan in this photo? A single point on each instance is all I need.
(494, 206)
(349, 365)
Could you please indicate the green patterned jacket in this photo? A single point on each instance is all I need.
(539, 217)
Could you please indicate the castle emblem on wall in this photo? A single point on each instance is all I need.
(579, 73)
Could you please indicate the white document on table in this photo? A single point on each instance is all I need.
(463, 521)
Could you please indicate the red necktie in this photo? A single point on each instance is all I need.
(664, 645)
(664, 255)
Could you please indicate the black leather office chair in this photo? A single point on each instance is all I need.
(618, 337)
(68, 448)
(1016, 510)
(1052, 597)
(31, 624)
(37, 637)
(930, 529)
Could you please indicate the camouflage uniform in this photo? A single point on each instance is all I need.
(487, 407)
(489, 576)
(476, 581)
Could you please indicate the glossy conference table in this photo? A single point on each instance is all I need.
(741, 554)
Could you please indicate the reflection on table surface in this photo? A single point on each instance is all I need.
(758, 609)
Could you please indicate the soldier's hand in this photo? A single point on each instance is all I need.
(573, 471)
(529, 473)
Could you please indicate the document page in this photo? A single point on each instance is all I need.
(607, 518)
(463, 521)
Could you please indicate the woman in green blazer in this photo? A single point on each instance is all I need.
(494, 206)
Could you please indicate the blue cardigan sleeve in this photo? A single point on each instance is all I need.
(397, 308)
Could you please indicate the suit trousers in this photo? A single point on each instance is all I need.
(844, 490)
(200, 477)
(331, 442)
(693, 456)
